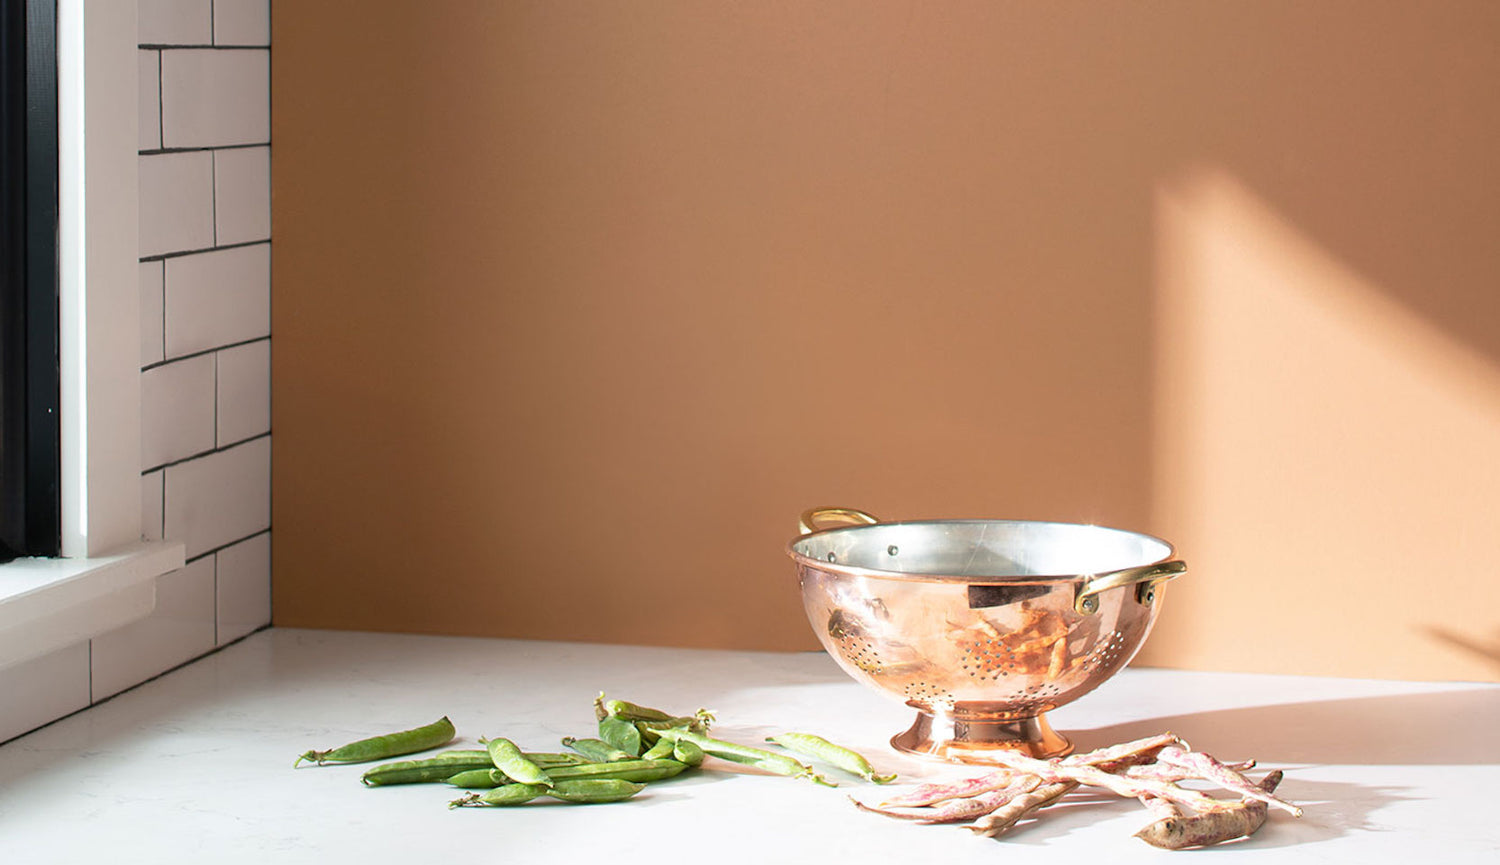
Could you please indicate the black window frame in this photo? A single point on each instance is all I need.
(30, 374)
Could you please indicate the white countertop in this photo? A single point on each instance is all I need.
(196, 766)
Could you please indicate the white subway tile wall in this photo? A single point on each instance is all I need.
(151, 504)
(244, 392)
(242, 22)
(217, 298)
(54, 685)
(176, 202)
(174, 22)
(181, 627)
(153, 321)
(149, 100)
(242, 194)
(244, 587)
(177, 410)
(220, 498)
(205, 290)
(215, 97)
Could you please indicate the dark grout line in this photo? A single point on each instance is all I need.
(163, 46)
(164, 151)
(222, 547)
(207, 453)
(156, 363)
(163, 256)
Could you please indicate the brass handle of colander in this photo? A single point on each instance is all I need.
(813, 519)
(1086, 602)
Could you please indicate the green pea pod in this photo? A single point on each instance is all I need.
(541, 758)
(623, 770)
(745, 755)
(621, 734)
(594, 791)
(603, 708)
(686, 752)
(596, 750)
(662, 750)
(509, 794)
(479, 779)
(509, 759)
(431, 770)
(436, 734)
(818, 748)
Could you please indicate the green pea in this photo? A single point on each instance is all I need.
(509, 794)
(621, 734)
(509, 759)
(594, 791)
(439, 732)
(431, 770)
(596, 750)
(819, 748)
(770, 761)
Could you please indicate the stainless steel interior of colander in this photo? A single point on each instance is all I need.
(982, 548)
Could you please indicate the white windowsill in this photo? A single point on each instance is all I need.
(47, 604)
(107, 577)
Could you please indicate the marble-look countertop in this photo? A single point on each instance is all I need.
(196, 766)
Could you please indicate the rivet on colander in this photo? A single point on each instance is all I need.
(892, 550)
(832, 557)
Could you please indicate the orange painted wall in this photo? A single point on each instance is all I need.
(578, 304)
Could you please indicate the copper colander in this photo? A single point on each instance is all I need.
(982, 626)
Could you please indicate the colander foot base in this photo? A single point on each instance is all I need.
(960, 740)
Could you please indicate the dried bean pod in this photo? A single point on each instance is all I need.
(1212, 827)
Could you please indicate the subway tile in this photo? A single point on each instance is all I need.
(179, 629)
(217, 298)
(43, 689)
(244, 391)
(150, 279)
(174, 22)
(148, 101)
(151, 486)
(212, 98)
(242, 194)
(220, 498)
(177, 410)
(176, 202)
(242, 22)
(244, 587)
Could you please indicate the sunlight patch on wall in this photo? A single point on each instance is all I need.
(1326, 460)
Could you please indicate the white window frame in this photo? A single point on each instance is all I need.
(106, 576)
